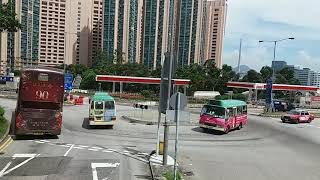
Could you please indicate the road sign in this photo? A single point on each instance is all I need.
(77, 82)
(6, 78)
(184, 116)
(164, 86)
(68, 79)
(269, 91)
(182, 104)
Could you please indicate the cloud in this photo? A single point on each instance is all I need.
(306, 60)
(254, 20)
(255, 57)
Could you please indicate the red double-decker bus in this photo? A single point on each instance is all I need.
(40, 102)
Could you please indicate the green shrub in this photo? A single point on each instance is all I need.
(3, 122)
(170, 175)
(1, 111)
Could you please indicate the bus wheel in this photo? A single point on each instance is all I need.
(205, 130)
(240, 126)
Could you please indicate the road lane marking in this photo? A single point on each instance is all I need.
(83, 146)
(5, 168)
(94, 167)
(78, 148)
(24, 155)
(6, 144)
(29, 156)
(65, 154)
(40, 142)
(93, 149)
(62, 145)
(107, 151)
(96, 148)
(45, 141)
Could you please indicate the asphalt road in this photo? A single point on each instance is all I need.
(265, 149)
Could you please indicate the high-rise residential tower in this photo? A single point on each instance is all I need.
(53, 33)
(214, 20)
(122, 29)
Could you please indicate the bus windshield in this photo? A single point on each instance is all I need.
(98, 105)
(213, 111)
(109, 105)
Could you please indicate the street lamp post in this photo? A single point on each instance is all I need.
(273, 61)
(274, 52)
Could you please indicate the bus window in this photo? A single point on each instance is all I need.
(99, 105)
(244, 109)
(230, 112)
(109, 105)
(239, 110)
(213, 111)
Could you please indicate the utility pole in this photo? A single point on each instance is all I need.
(173, 42)
(240, 49)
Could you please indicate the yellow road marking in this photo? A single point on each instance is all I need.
(6, 144)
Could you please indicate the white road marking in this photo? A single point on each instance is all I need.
(45, 141)
(93, 149)
(29, 156)
(40, 142)
(62, 145)
(65, 154)
(96, 148)
(78, 148)
(94, 167)
(107, 151)
(5, 168)
(83, 146)
(24, 155)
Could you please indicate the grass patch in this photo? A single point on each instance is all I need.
(170, 175)
(3, 123)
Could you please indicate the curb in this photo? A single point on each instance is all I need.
(132, 120)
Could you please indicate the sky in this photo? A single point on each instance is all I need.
(254, 20)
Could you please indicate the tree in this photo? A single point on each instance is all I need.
(8, 21)
(266, 73)
(76, 69)
(89, 80)
(287, 73)
(280, 79)
(118, 56)
(100, 58)
(252, 76)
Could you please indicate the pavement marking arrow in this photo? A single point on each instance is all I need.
(94, 167)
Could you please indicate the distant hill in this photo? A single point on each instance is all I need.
(243, 69)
